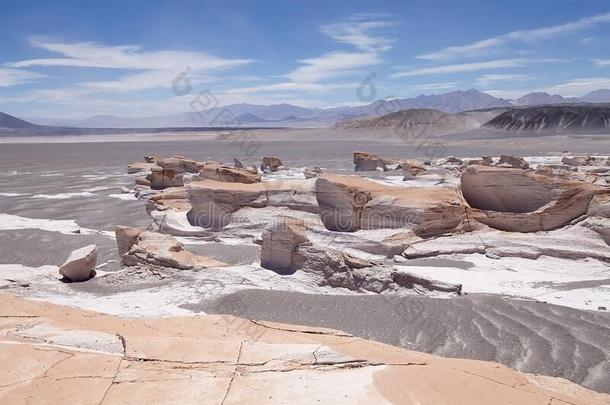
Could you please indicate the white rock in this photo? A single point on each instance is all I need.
(80, 264)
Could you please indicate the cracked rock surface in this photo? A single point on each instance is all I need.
(53, 354)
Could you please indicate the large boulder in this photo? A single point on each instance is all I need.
(126, 237)
(351, 203)
(367, 162)
(80, 265)
(163, 250)
(599, 206)
(577, 160)
(518, 200)
(214, 202)
(412, 168)
(139, 167)
(280, 241)
(219, 172)
(271, 164)
(513, 161)
(170, 172)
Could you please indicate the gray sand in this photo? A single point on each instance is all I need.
(531, 337)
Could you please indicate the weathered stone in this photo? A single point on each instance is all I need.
(350, 203)
(126, 237)
(577, 160)
(513, 161)
(216, 171)
(139, 167)
(600, 206)
(367, 162)
(312, 173)
(411, 168)
(214, 202)
(164, 250)
(271, 164)
(280, 241)
(80, 265)
(516, 200)
(406, 279)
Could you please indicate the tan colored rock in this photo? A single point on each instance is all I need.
(350, 203)
(412, 168)
(80, 265)
(600, 206)
(280, 241)
(367, 162)
(139, 167)
(216, 171)
(216, 358)
(577, 160)
(214, 202)
(170, 172)
(271, 164)
(126, 237)
(520, 201)
(312, 173)
(513, 161)
(164, 250)
(143, 181)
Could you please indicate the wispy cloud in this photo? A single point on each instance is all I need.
(157, 68)
(313, 74)
(580, 87)
(602, 62)
(490, 79)
(462, 67)
(13, 77)
(478, 47)
(331, 65)
(357, 30)
(433, 86)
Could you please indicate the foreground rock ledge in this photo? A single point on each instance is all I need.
(54, 354)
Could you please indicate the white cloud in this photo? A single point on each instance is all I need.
(95, 55)
(332, 65)
(433, 86)
(580, 87)
(356, 31)
(13, 77)
(602, 62)
(489, 79)
(476, 48)
(462, 68)
(157, 68)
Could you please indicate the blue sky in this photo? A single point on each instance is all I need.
(73, 59)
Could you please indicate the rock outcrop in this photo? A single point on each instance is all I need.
(214, 202)
(517, 200)
(219, 172)
(80, 265)
(145, 247)
(221, 358)
(271, 164)
(280, 240)
(577, 160)
(513, 161)
(367, 162)
(350, 203)
(170, 172)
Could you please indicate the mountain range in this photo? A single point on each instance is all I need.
(279, 115)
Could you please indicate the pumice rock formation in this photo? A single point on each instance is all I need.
(80, 265)
(271, 164)
(145, 247)
(522, 201)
